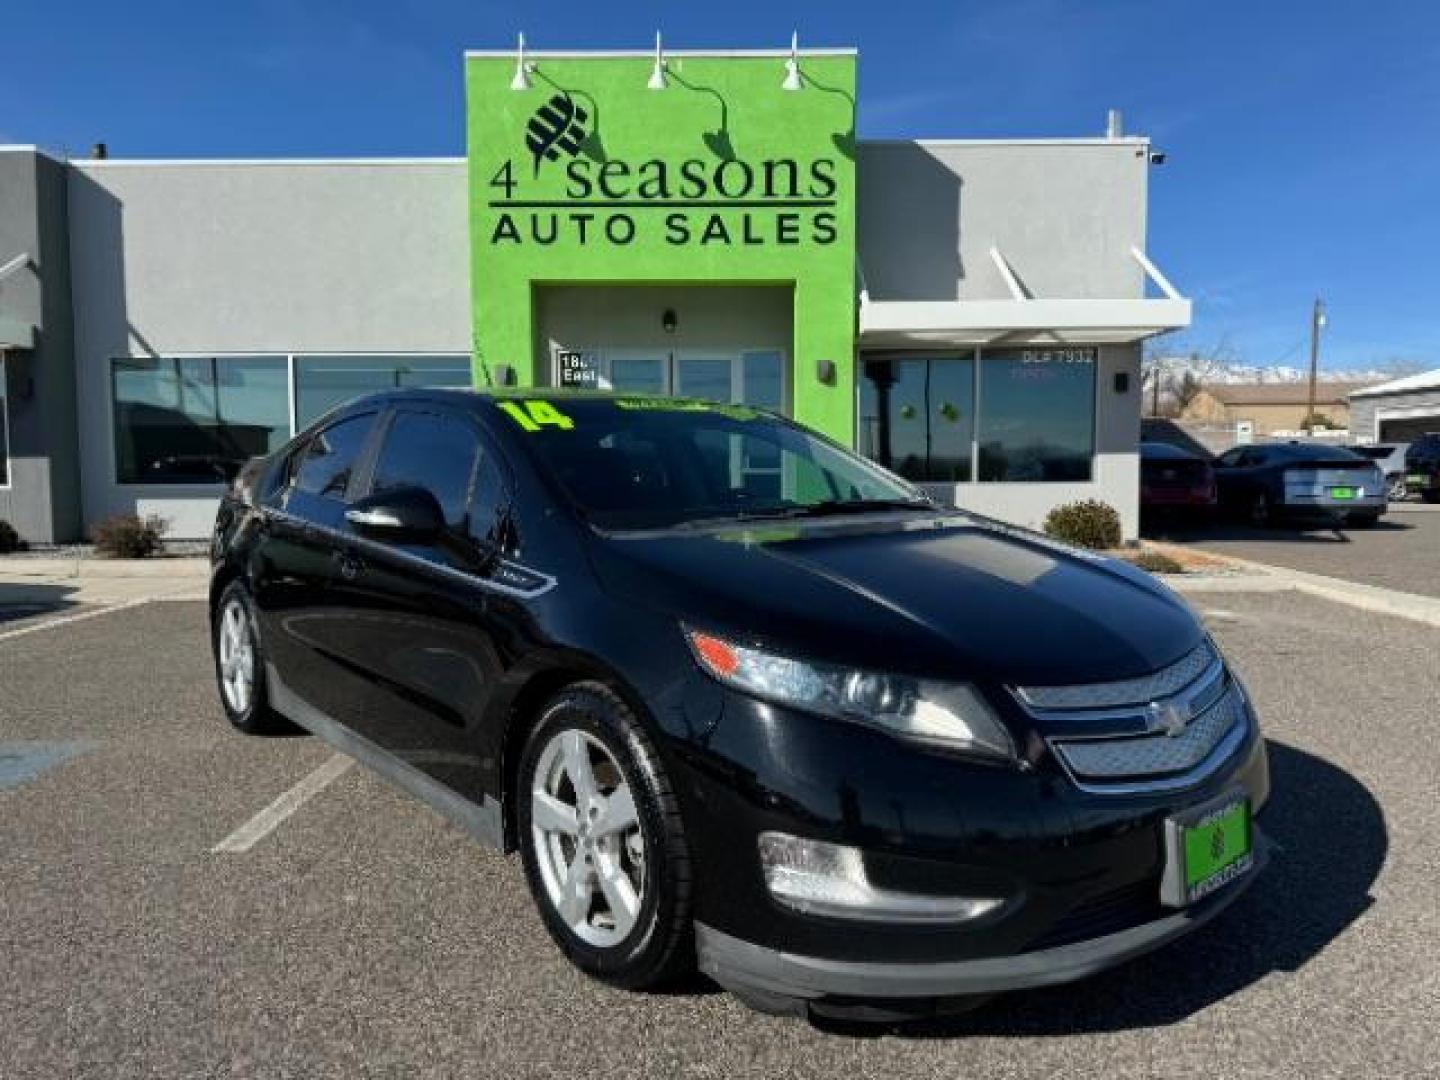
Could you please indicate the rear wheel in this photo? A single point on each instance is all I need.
(240, 664)
(603, 843)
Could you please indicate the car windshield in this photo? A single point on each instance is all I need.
(645, 463)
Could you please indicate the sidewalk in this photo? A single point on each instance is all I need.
(70, 580)
(1253, 576)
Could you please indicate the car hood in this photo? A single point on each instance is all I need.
(944, 596)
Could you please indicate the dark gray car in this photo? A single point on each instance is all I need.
(1326, 484)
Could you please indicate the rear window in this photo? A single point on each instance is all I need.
(1312, 452)
(1374, 453)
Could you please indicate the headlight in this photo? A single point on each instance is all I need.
(950, 715)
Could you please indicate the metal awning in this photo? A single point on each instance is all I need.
(16, 333)
(1023, 319)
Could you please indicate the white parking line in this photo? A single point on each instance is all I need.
(266, 821)
(66, 620)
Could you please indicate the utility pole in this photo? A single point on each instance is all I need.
(1317, 322)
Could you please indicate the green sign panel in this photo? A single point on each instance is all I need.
(722, 177)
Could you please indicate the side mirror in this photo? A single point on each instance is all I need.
(407, 513)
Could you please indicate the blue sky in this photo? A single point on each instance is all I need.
(1303, 138)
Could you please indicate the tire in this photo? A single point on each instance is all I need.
(1431, 495)
(577, 869)
(1363, 521)
(249, 712)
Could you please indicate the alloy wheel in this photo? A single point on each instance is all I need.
(587, 839)
(1398, 490)
(237, 657)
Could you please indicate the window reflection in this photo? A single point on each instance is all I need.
(196, 421)
(917, 416)
(322, 382)
(1037, 421)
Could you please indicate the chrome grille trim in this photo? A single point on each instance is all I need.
(1138, 691)
(1155, 755)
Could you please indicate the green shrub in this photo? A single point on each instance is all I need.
(126, 536)
(1088, 524)
(1155, 563)
(9, 538)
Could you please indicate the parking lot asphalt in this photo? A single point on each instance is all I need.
(365, 936)
(1401, 552)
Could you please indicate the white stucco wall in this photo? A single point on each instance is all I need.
(265, 257)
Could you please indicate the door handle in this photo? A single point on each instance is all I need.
(349, 565)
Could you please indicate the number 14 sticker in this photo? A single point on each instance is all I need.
(534, 415)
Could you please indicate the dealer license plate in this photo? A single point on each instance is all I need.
(1342, 493)
(1206, 849)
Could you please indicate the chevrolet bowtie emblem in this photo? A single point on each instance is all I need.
(1171, 717)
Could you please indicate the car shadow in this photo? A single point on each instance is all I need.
(1331, 844)
(27, 600)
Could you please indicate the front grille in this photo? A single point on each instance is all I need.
(1109, 913)
(1159, 732)
(1157, 754)
(1146, 688)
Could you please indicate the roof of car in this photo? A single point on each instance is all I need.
(1167, 451)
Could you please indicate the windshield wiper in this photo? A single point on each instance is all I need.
(821, 509)
(859, 506)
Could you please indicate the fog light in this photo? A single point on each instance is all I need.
(817, 878)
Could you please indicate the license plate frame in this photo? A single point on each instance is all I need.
(1188, 879)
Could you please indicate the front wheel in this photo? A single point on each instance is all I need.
(603, 843)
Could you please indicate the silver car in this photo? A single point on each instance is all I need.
(1390, 457)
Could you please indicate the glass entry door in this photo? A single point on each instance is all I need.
(745, 377)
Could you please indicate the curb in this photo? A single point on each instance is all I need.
(1412, 606)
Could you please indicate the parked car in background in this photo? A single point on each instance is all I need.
(1270, 481)
(1391, 459)
(1422, 467)
(1174, 480)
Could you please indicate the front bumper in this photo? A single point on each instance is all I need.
(746, 968)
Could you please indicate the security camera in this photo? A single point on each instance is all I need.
(1157, 157)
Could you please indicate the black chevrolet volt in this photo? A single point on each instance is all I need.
(741, 699)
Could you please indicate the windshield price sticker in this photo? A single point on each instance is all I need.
(534, 415)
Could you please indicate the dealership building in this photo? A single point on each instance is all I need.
(968, 312)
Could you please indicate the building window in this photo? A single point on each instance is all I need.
(322, 382)
(917, 416)
(196, 421)
(1037, 414)
(4, 429)
(1011, 415)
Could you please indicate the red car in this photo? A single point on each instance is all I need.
(1172, 479)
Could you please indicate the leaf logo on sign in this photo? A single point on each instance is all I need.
(557, 125)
